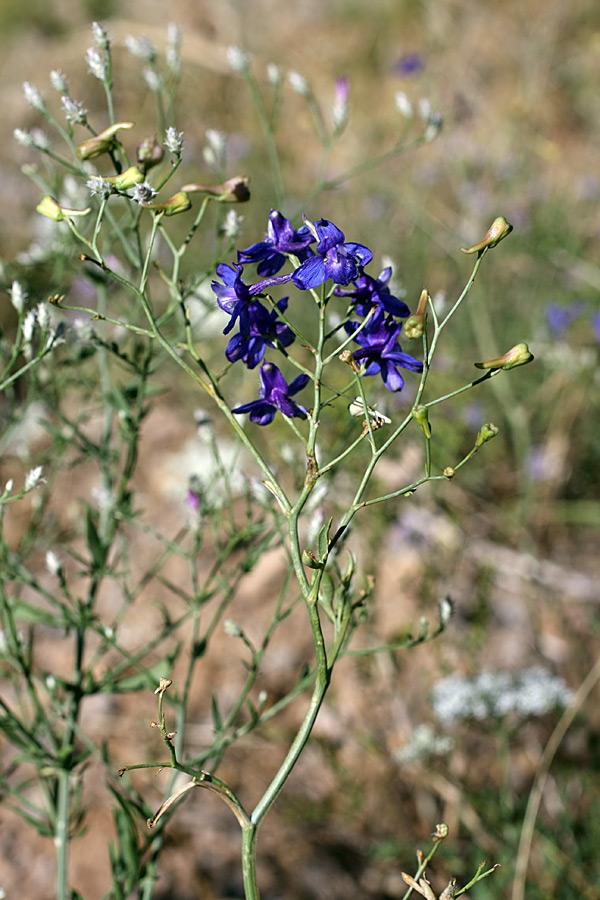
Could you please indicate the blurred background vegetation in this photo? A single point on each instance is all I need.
(514, 539)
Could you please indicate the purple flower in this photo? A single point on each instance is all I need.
(265, 329)
(239, 299)
(559, 318)
(409, 64)
(274, 395)
(596, 326)
(369, 292)
(381, 351)
(336, 259)
(281, 240)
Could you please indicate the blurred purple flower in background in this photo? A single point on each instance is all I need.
(408, 65)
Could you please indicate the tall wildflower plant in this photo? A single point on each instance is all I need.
(321, 339)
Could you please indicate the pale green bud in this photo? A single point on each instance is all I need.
(519, 355)
(178, 203)
(498, 230)
(126, 179)
(486, 433)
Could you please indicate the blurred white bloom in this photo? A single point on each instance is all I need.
(423, 743)
(152, 80)
(425, 109)
(96, 64)
(298, 83)
(50, 682)
(53, 563)
(232, 628)
(44, 316)
(73, 110)
(403, 105)
(29, 326)
(34, 478)
(8, 486)
(109, 632)
(532, 692)
(232, 226)
(33, 96)
(214, 152)
(142, 47)
(23, 137)
(238, 59)
(17, 296)
(273, 74)
(173, 47)
(59, 82)
(100, 36)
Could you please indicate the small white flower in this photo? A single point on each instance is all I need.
(17, 296)
(59, 82)
(273, 74)
(23, 137)
(238, 59)
(73, 110)
(100, 36)
(403, 105)
(232, 628)
(173, 53)
(109, 632)
(40, 138)
(423, 743)
(298, 83)
(8, 486)
(53, 563)
(214, 152)
(99, 187)
(83, 329)
(33, 96)
(446, 610)
(29, 326)
(143, 193)
(174, 141)
(141, 47)
(44, 317)
(50, 682)
(152, 80)
(425, 109)
(96, 63)
(232, 226)
(34, 478)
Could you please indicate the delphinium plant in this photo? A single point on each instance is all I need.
(317, 335)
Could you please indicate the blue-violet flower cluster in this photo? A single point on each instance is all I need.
(319, 253)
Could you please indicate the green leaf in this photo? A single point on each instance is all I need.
(326, 592)
(323, 539)
(95, 546)
(216, 715)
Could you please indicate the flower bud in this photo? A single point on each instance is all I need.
(178, 203)
(519, 355)
(415, 325)
(52, 210)
(234, 190)
(498, 230)
(149, 153)
(100, 143)
(449, 472)
(126, 179)
(346, 356)
(486, 433)
(421, 414)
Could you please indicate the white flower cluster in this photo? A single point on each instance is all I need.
(532, 692)
(423, 742)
